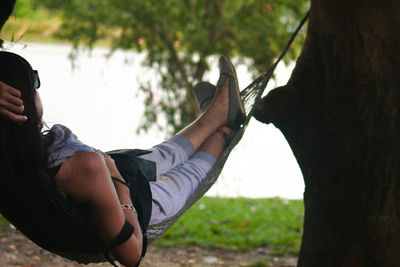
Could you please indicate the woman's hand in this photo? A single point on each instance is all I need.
(11, 105)
(112, 168)
(122, 190)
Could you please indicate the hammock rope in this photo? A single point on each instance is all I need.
(251, 96)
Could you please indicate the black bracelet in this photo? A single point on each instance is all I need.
(126, 232)
(120, 181)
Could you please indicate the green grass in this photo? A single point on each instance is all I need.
(240, 224)
(3, 222)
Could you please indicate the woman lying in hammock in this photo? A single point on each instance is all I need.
(115, 191)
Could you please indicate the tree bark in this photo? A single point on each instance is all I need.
(340, 114)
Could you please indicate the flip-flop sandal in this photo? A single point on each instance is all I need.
(236, 113)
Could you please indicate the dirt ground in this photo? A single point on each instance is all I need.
(17, 251)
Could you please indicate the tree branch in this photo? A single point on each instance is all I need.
(276, 106)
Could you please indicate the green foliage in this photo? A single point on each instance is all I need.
(36, 9)
(24, 9)
(240, 223)
(50, 4)
(179, 36)
(31, 22)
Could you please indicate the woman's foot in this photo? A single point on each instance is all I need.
(236, 112)
(214, 117)
(204, 93)
(225, 109)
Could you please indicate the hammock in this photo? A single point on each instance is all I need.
(250, 97)
(47, 216)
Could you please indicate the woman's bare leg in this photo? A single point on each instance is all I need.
(217, 142)
(210, 121)
(181, 147)
(172, 190)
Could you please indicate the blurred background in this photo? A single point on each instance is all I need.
(120, 73)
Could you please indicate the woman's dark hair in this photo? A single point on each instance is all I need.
(6, 8)
(22, 152)
(30, 198)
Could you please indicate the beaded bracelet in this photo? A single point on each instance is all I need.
(129, 207)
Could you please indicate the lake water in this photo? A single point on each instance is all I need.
(100, 101)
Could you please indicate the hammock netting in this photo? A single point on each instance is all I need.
(250, 97)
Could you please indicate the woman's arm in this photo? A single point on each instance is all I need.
(124, 197)
(86, 178)
(11, 106)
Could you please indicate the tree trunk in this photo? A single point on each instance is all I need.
(340, 114)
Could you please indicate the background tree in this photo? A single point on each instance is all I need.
(180, 36)
(340, 115)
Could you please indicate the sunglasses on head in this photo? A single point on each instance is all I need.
(36, 80)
